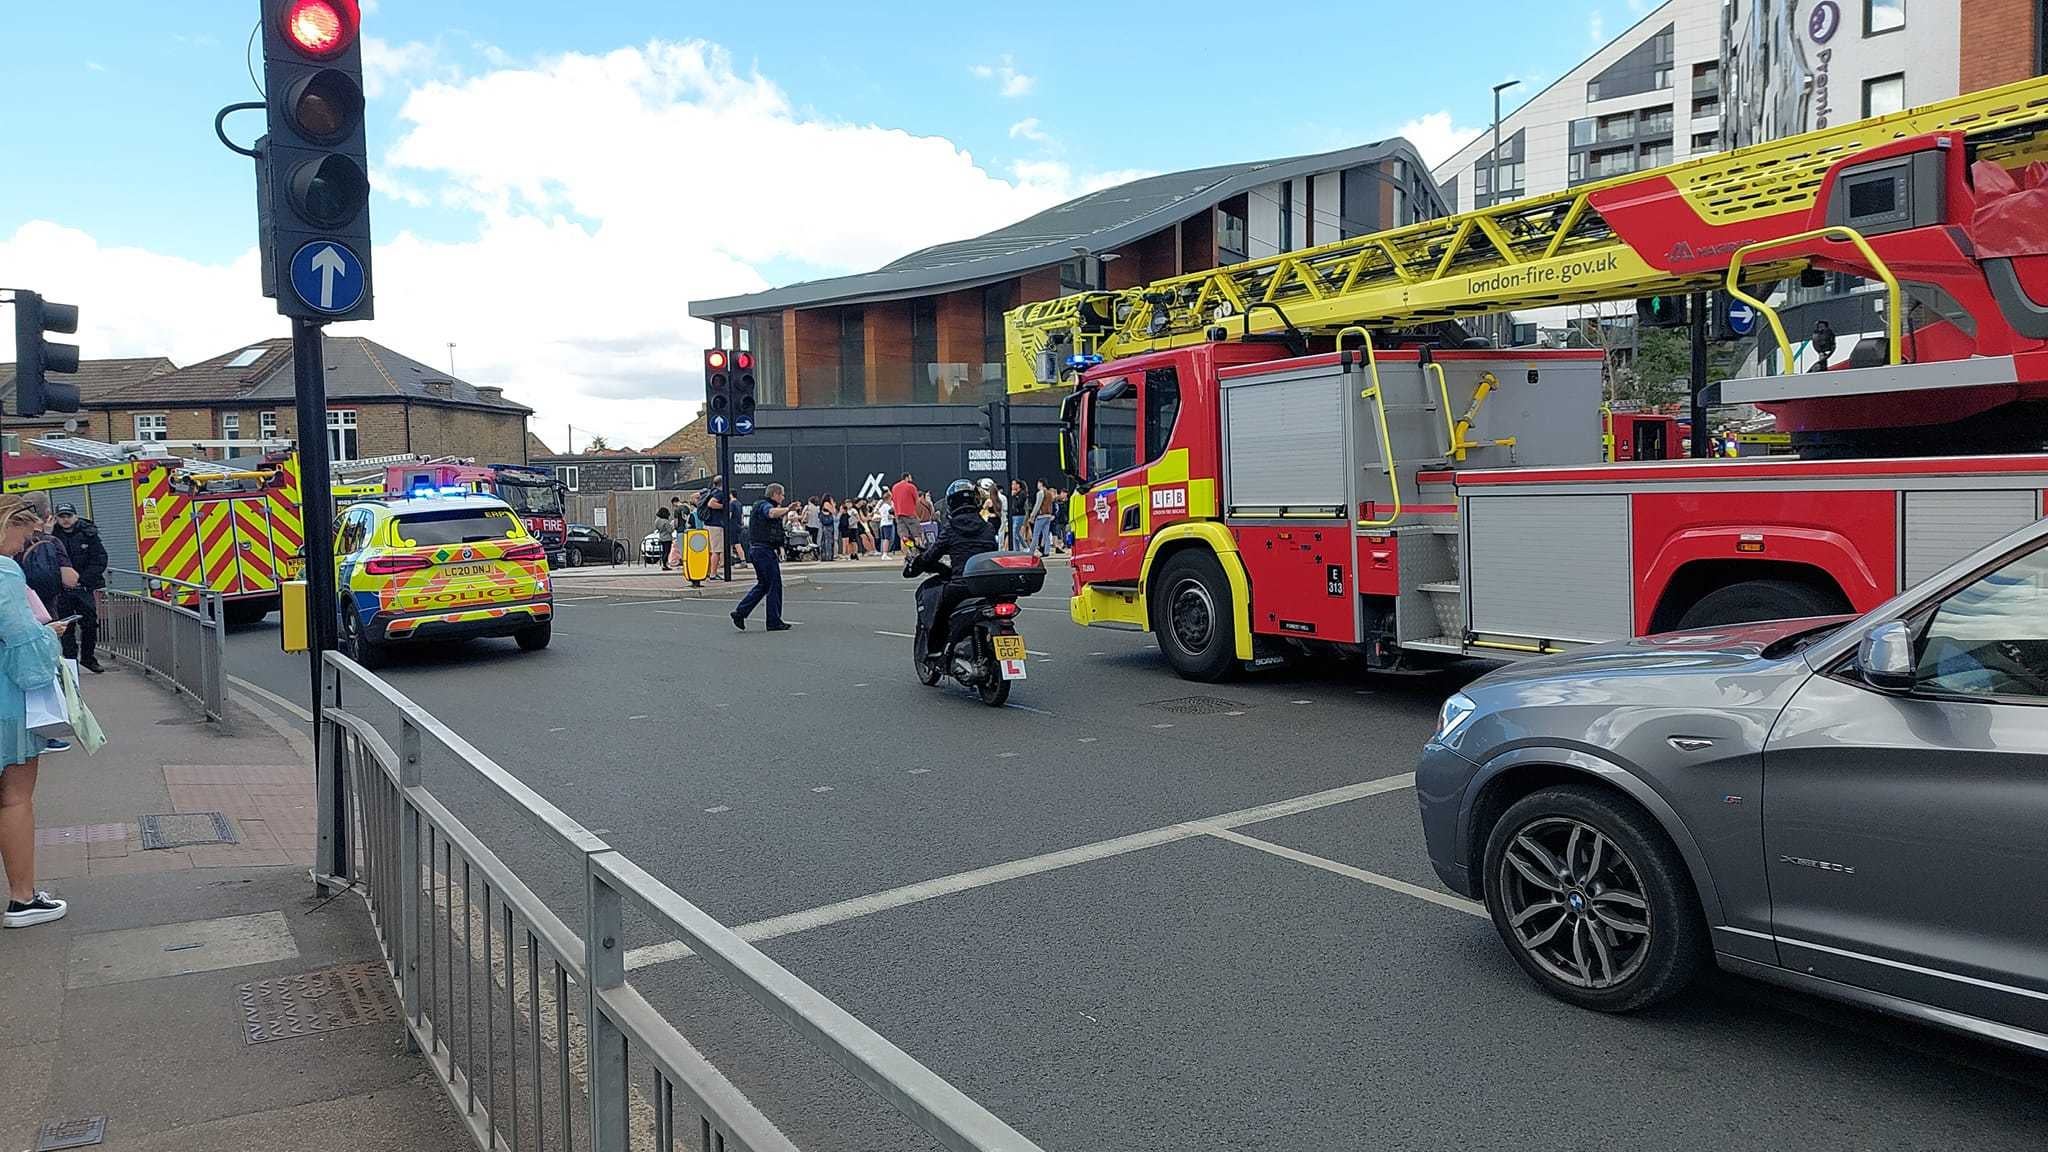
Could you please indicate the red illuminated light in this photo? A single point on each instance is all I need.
(1006, 609)
(321, 28)
(743, 360)
(715, 358)
(1015, 560)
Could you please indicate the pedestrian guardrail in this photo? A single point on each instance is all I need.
(172, 631)
(560, 1023)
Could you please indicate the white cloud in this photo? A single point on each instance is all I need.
(95, 66)
(1596, 28)
(592, 227)
(1028, 129)
(385, 64)
(1436, 136)
(1009, 81)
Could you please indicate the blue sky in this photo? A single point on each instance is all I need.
(567, 146)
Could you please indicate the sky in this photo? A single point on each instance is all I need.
(554, 182)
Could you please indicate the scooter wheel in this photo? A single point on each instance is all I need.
(994, 693)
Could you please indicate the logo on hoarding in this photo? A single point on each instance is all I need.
(1824, 21)
(872, 488)
(1105, 505)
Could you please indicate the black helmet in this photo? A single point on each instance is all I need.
(961, 496)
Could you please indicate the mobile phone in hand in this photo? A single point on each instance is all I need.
(72, 619)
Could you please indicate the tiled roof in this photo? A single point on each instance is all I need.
(96, 379)
(357, 369)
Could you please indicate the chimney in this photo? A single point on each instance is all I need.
(491, 393)
(445, 389)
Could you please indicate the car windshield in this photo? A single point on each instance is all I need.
(456, 526)
(530, 499)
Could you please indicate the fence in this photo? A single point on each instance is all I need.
(628, 516)
(436, 893)
(169, 629)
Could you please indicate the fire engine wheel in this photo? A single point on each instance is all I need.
(1754, 600)
(1191, 614)
(535, 638)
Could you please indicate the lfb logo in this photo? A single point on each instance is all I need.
(1824, 21)
(1170, 501)
(1105, 503)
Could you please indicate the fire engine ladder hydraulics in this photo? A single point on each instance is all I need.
(1677, 229)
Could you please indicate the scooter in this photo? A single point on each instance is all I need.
(979, 647)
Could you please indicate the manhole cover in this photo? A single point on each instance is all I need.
(71, 1134)
(1197, 705)
(181, 829)
(345, 996)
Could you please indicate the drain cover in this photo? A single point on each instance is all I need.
(182, 829)
(71, 1134)
(345, 996)
(1197, 705)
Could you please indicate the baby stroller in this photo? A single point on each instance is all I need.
(797, 546)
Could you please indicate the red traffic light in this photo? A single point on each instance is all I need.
(714, 359)
(321, 29)
(743, 360)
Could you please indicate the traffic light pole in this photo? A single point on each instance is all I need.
(726, 513)
(1699, 376)
(316, 511)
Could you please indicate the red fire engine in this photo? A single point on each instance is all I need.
(1276, 455)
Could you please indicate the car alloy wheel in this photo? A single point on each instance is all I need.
(1575, 903)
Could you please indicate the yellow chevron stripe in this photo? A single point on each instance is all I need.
(217, 552)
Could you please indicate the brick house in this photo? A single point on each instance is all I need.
(96, 380)
(379, 403)
(677, 460)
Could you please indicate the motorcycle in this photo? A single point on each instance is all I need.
(980, 646)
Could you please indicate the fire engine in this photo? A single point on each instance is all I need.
(234, 528)
(1299, 452)
(533, 493)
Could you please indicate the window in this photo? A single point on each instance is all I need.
(1661, 78)
(1883, 16)
(1611, 163)
(1655, 155)
(1665, 42)
(152, 426)
(1482, 181)
(1991, 638)
(1884, 94)
(1229, 236)
(1162, 406)
(1706, 79)
(231, 426)
(268, 425)
(1582, 132)
(246, 357)
(643, 477)
(457, 526)
(1620, 126)
(1510, 178)
(1655, 122)
(1113, 429)
(1575, 167)
(341, 433)
(853, 356)
(1706, 141)
(567, 474)
(1287, 215)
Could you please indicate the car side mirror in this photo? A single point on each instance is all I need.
(1885, 658)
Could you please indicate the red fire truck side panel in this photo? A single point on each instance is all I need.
(1851, 535)
(1301, 580)
(1379, 565)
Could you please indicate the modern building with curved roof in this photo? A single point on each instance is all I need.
(927, 328)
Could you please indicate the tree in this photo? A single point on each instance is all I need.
(597, 444)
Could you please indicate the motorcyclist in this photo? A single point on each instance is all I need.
(963, 534)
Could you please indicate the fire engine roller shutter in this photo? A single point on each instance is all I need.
(111, 505)
(1284, 442)
(1944, 527)
(1549, 567)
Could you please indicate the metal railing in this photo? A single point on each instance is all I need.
(169, 629)
(560, 1023)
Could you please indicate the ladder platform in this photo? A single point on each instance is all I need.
(1447, 645)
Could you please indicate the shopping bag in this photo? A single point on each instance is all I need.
(84, 725)
(45, 711)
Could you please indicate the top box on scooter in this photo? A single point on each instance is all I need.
(1001, 574)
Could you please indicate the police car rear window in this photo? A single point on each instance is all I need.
(456, 526)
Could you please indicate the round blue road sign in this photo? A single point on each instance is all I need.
(327, 276)
(1741, 318)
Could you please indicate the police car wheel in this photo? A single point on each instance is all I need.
(535, 638)
(360, 648)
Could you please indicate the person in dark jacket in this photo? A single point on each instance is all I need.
(81, 540)
(965, 533)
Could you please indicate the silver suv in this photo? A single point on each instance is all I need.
(1857, 808)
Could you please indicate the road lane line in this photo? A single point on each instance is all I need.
(898, 635)
(924, 890)
(1455, 903)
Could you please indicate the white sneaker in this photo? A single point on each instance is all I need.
(40, 909)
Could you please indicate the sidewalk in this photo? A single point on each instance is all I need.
(199, 997)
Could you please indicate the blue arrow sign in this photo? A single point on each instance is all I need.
(743, 426)
(719, 426)
(1741, 318)
(328, 277)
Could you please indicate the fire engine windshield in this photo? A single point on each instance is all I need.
(530, 499)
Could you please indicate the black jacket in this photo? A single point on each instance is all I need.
(42, 563)
(88, 555)
(961, 535)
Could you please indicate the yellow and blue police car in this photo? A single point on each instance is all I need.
(439, 564)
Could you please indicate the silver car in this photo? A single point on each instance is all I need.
(1854, 807)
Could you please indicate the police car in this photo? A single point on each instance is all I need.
(439, 564)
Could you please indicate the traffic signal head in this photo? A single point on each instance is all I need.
(743, 392)
(718, 391)
(1667, 311)
(34, 357)
(313, 168)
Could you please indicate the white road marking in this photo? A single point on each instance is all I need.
(719, 808)
(641, 717)
(1028, 708)
(1455, 903)
(919, 771)
(799, 693)
(558, 729)
(1098, 653)
(1036, 652)
(1005, 755)
(860, 685)
(638, 603)
(579, 599)
(1235, 712)
(1162, 725)
(1087, 739)
(822, 788)
(1036, 608)
(836, 603)
(898, 635)
(1301, 701)
(909, 894)
(266, 694)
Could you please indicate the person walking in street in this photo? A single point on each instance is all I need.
(711, 510)
(81, 540)
(764, 550)
(1041, 519)
(29, 652)
(664, 534)
(828, 528)
(1020, 515)
(903, 513)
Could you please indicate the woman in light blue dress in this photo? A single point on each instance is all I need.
(29, 652)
